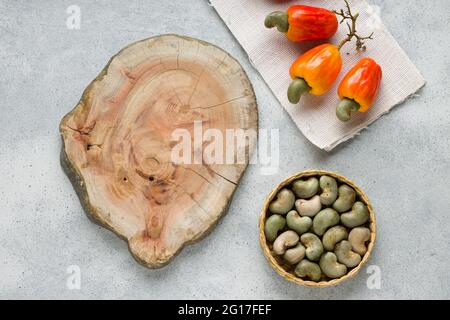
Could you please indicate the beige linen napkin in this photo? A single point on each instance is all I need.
(272, 54)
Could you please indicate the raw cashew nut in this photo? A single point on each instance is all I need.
(329, 190)
(357, 238)
(331, 267)
(273, 225)
(333, 236)
(306, 188)
(284, 241)
(314, 247)
(358, 216)
(346, 199)
(283, 203)
(345, 254)
(308, 269)
(295, 255)
(325, 219)
(297, 223)
(308, 208)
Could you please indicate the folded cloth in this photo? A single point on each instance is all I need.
(272, 54)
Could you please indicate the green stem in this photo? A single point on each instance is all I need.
(277, 19)
(298, 88)
(345, 108)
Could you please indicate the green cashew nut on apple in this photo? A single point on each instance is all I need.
(329, 188)
(308, 208)
(297, 223)
(345, 200)
(283, 203)
(331, 267)
(358, 238)
(277, 19)
(345, 254)
(305, 189)
(314, 247)
(358, 216)
(325, 219)
(285, 241)
(308, 269)
(295, 255)
(333, 236)
(273, 225)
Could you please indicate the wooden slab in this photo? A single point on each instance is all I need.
(117, 143)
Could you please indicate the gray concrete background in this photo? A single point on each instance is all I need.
(401, 161)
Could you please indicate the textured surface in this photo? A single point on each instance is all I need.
(315, 116)
(401, 163)
(118, 142)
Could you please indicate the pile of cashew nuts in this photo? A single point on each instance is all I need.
(318, 228)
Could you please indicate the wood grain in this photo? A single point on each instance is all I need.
(117, 143)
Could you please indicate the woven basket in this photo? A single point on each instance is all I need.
(281, 268)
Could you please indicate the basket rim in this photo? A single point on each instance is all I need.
(289, 276)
